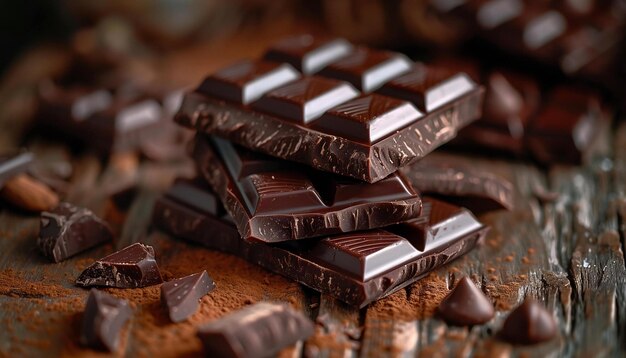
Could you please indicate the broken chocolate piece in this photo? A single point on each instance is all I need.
(271, 200)
(68, 230)
(12, 164)
(530, 323)
(104, 317)
(321, 123)
(356, 268)
(260, 330)
(131, 267)
(466, 305)
(181, 295)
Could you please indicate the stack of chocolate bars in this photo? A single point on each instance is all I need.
(309, 166)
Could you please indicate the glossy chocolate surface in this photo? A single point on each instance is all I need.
(307, 53)
(530, 323)
(68, 230)
(133, 266)
(466, 305)
(273, 200)
(323, 121)
(181, 296)
(357, 268)
(259, 330)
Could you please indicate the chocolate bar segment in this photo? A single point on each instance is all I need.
(260, 330)
(14, 163)
(68, 230)
(357, 268)
(133, 266)
(182, 295)
(281, 201)
(307, 53)
(104, 317)
(322, 124)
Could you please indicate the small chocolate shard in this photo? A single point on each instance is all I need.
(181, 295)
(260, 330)
(466, 305)
(530, 323)
(103, 319)
(68, 230)
(131, 267)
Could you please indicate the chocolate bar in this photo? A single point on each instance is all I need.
(273, 200)
(102, 119)
(357, 268)
(357, 112)
(260, 330)
(13, 163)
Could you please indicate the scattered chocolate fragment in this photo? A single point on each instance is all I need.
(260, 330)
(272, 200)
(104, 317)
(181, 295)
(530, 323)
(131, 267)
(466, 305)
(68, 230)
(322, 120)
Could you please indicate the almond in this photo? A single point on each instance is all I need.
(29, 194)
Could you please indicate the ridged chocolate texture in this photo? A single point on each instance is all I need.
(181, 296)
(307, 53)
(310, 120)
(457, 182)
(259, 330)
(133, 266)
(273, 200)
(68, 230)
(99, 118)
(356, 268)
(13, 163)
(103, 319)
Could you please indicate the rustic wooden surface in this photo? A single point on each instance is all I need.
(568, 253)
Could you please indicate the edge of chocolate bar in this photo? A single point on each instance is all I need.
(290, 141)
(284, 227)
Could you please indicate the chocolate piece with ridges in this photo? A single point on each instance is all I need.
(133, 266)
(104, 317)
(456, 181)
(287, 202)
(466, 305)
(181, 295)
(442, 233)
(260, 330)
(12, 164)
(383, 145)
(307, 53)
(68, 230)
(530, 323)
(247, 81)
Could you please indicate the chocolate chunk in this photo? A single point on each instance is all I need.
(307, 53)
(457, 182)
(276, 201)
(260, 330)
(104, 317)
(181, 295)
(530, 323)
(321, 123)
(133, 266)
(14, 163)
(466, 305)
(68, 230)
(356, 268)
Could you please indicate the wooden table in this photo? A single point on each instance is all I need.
(568, 253)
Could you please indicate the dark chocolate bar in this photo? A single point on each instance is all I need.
(273, 200)
(104, 317)
(457, 182)
(13, 163)
(108, 121)
(364, 114)
(357, 268)
(259, 330)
